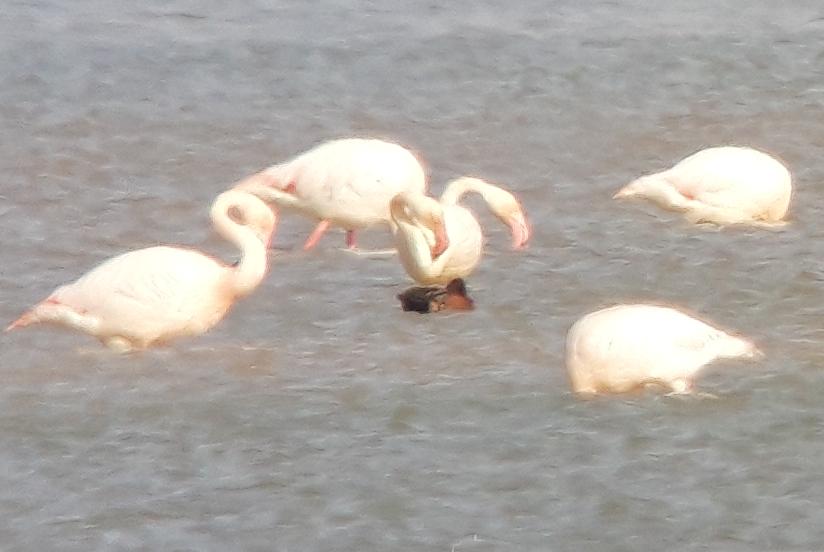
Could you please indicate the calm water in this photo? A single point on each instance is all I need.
(318, 416)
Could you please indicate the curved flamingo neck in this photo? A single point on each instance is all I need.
(500, 202)
(397, 210)
(251, 269)
(415, 209)
(418, 220)
(459, 187)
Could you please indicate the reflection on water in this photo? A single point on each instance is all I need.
(318, 416)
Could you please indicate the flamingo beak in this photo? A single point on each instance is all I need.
(441, 241)
(520, 230)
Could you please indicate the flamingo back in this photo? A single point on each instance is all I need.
(151, 294)
(626, 346)
(351, 181)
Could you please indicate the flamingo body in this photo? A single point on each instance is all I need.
(151, 296)
(625, 347)
(440, 240)
(458, 260)
(722, 185)
(347, 182)
(129, 298)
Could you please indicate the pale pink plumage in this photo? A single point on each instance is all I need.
(626, 347)
(346, 182)
(721, 185)
(153, 295)
(439, 240)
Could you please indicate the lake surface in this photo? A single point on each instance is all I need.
(318, 416)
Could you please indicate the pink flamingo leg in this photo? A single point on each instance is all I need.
(316, 234)
(351, 241)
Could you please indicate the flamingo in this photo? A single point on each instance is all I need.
(440, 240)
(722, 185)
(625, 347)
(346, 182)
(150, 296)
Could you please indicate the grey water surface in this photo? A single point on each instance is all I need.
(318, 416)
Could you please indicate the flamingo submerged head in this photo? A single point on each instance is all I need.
(628, 347)
(654, 189)
(721, 185)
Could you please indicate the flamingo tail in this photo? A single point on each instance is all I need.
(25, 319)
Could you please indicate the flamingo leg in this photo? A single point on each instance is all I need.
(316, 234)
(351, 239)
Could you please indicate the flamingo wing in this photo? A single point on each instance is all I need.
(737, 178)
(150, 292)
(352, 181)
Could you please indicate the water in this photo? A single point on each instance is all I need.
(318, 416)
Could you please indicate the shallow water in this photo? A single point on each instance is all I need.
(318, 416)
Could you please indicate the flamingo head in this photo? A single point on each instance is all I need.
(425, 213)
(509, 211)
(429, 214)
(259, 218)
(441, 239)
(519, 227)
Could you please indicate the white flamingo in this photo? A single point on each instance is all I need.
(625, 347)
(347, 182)
(723, 185)
(151, 296)
(438, 241)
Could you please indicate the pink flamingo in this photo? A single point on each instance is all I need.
(151, 296)
(626, 347)
(346, 182)
(723, 185)
(440, 240)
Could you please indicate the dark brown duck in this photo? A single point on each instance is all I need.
(437, 298)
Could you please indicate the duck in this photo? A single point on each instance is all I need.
(425, 299)
(723, 186)
(152, 296)
(631, 346)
